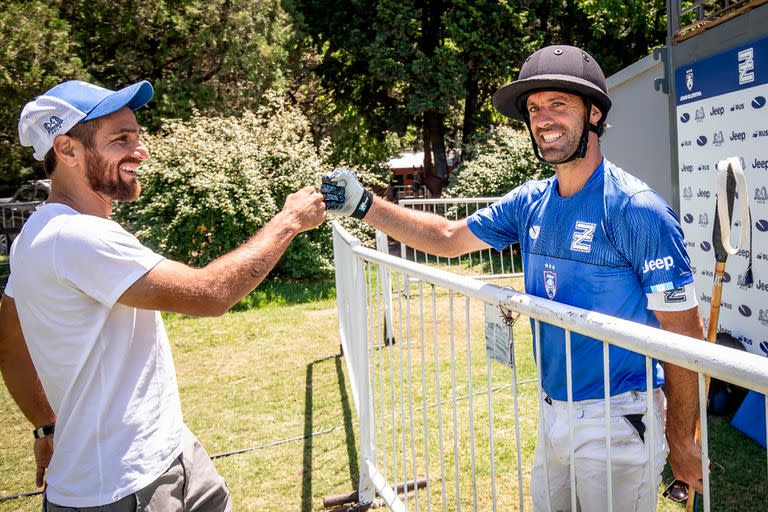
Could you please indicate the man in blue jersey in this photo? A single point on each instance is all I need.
(594, 237)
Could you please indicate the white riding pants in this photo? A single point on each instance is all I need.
(629, 454)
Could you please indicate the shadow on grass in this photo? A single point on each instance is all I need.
(281, 293)
(349, 432)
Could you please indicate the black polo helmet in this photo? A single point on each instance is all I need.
(558, 67)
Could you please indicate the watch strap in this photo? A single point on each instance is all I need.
(43, 431)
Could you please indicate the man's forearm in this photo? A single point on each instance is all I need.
(238, 272)
(18, 370)
(421, 230)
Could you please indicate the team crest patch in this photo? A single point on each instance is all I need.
(550, 283)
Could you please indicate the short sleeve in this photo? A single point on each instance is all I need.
(498, 224)
(101, 259)
(651, 239)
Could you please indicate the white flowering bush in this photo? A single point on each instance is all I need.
(212, 182)
(502, 162)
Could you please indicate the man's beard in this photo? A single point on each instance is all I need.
(109, 181)
(562, 152)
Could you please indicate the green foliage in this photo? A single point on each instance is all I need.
(504, 161)
(213, 182)
(209, 55)
(36, 53)
(385, 66)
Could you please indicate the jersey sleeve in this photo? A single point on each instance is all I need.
(498, 224)
(101, 259)
(651, 239)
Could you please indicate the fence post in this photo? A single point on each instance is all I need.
(360, 354)
(382, 245)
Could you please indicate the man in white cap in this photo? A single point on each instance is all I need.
(595, 237)
(83, 348)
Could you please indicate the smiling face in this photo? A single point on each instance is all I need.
(114, 156)
(557, 122)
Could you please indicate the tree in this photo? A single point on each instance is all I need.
(217, 56)
(36, 54)
(398, 65)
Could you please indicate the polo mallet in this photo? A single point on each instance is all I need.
(729, 174)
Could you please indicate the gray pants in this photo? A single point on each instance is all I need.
(191, 484)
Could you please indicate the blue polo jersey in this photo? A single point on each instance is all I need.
(602, 249)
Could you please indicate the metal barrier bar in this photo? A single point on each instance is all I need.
(449, 208)
(356, 315)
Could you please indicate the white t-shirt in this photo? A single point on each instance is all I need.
(106, 368)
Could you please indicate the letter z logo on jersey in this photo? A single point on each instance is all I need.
(583, 233)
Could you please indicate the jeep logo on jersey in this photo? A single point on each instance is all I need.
(550, 283)
(534, 232)
(659, 263)
(583, 234)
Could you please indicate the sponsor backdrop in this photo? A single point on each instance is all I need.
(722, 112)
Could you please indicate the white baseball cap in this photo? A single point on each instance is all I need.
(62, 107)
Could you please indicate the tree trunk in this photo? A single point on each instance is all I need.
(429, 169)
(433, 122)
(472, 88)
(434, 130)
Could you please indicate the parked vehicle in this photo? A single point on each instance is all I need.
(16, 209)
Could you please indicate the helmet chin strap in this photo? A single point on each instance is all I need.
(581, 150)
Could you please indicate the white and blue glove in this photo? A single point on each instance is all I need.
(343, 194)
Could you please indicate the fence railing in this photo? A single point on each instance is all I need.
(487, 264)
(447, 399)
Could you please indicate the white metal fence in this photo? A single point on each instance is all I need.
(486, 264)
(447, 403)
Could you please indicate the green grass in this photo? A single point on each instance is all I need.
(255, 377)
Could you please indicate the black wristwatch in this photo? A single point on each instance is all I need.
(43, 431)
